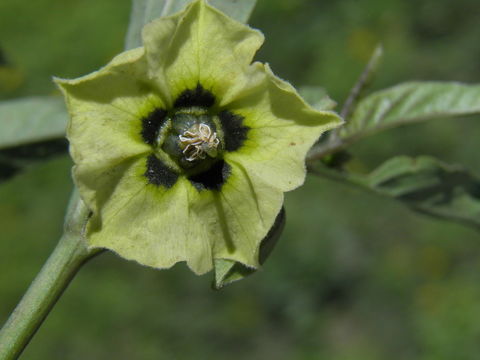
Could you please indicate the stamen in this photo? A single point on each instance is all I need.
(198, 142)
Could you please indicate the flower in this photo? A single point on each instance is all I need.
(183, 148)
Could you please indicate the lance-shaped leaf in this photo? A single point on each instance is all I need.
(408, 103)
(432, 187)
(31, 129)
(144, 11)
(425, 184)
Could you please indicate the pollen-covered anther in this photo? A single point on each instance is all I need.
(198, 142)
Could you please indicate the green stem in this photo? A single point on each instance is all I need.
(362, 82)
(69, 255)
(335, 142)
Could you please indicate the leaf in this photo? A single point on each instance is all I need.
(432, 187)
(30, 120)
(15, 159)
(424, 184)
(317, 97)
(31, 129)
(408, 103)
(144, 11)
(240, 10)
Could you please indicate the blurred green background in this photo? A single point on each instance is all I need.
(354, 276)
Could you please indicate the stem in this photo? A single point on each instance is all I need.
(68, 256)
(335, 142)
(340, 176)
(317, 152)
(362, 82)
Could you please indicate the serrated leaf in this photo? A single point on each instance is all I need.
(144, 11)
(317, 97)
(410, 102)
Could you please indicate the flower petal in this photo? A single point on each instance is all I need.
(106, 108)
(158, 226)
(282, 129)
(147, 223)
(228, 271)
(199, 46)
(246, 208)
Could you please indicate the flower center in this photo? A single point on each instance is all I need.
(198, 142)
(191, 140)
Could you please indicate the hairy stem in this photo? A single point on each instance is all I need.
(69, 255)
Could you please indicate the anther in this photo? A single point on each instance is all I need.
(198, 142)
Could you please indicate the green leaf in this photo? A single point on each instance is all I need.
(317, 97)
(17, 158)
(432, 187)
(424, 184)
(408, 103)
(144, 11)
(31, 129)
(30, 120)
(240, 10)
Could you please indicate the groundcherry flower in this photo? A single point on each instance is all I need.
(183, 148)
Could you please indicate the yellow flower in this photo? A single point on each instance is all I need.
(183, 148)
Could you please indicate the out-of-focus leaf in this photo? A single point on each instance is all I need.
(430, 186)
(144, 11)
(238, 9)
(424, 184)
(317, 97)
(31, 120)
(31, 130)
(17, 158)
(228, 271)
(410, 102)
